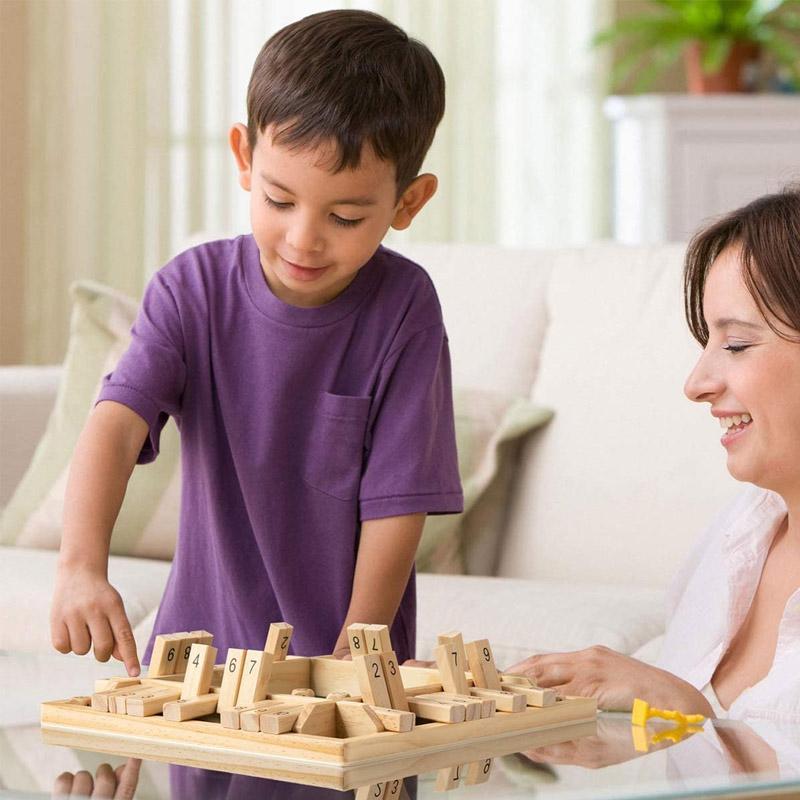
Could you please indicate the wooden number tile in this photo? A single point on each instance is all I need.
(147, 704)
(231, 678)
(165, 654)
(356, 719)
(481, 665)
(101, 701)
(455, 642)
(378, 640)
(534, 696)
(279, 719)
(185, 647)
(110, 684)
(505, 701)
(375, 791)
(117, 700)
(451, 665)
(394, 790)
(198, 671)
(515, 680)
(479, 771)
(232, 717)
(448, 778)
(317, 719)
(356, 638)
(369, 672)
(278, 639)
(255, 677)
(473, 706)
(248, 716)
(182, 710)
(395, 720)
(437, 710)
(394, 682)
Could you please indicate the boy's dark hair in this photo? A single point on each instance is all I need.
(767, 233)
(352, 77)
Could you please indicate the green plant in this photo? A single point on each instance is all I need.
(651, 42)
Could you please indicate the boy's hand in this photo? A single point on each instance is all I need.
(87, 611)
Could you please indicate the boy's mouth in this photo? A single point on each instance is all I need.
(301, 273)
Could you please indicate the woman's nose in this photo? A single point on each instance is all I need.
(704, 382)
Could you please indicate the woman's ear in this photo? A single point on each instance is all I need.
(418, 192)
(237, 138)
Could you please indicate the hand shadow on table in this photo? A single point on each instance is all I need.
(613, 743)
(107, 782)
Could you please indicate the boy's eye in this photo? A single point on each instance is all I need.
(274, 203)
(346, 223)
(736, 348)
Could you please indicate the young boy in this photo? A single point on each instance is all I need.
(306, 366)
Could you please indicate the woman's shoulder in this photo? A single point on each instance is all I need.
(750, 512)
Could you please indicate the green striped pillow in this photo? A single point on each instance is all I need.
(148, 521)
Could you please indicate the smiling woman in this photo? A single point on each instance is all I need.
(732, 646)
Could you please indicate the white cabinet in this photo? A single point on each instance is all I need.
(682, 159)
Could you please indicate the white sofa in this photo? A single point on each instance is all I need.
(606, 499)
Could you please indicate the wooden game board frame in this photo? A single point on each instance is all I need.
(204, 742)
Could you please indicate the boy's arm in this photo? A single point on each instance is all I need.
(86, 609)
(385, 557)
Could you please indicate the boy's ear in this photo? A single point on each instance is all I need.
(418, 192)
(237, 139)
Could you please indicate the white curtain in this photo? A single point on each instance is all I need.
(131, 101)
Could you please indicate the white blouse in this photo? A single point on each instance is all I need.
(711, 596)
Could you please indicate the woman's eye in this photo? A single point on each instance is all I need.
(346, 223)
(274, 203)
(736, 348)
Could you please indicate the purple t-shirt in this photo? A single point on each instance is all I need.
(296, 424)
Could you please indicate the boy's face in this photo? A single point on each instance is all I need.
(316, 229)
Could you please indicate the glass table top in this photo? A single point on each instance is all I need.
(603, 760)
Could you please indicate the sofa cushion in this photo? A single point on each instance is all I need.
(27, 394)
(27, 576)
(629, 471)
(493, 302)
(522, 617)
(489, 429)
(148, 521)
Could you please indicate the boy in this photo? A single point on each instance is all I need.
(306, 366)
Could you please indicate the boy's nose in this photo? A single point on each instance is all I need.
(303, 237)
(703, 383)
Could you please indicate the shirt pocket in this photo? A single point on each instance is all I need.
(336, 445)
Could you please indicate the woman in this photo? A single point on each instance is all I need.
(732, 646)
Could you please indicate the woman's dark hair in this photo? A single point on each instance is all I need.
(352, 77)
(767, 233)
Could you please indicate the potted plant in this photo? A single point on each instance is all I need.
(717, 38)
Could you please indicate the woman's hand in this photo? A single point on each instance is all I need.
(613, 679)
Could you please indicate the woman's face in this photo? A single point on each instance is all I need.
(750, 377)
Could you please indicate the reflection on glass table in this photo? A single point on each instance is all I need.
(606, 759)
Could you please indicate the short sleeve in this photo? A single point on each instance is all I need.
(411, 461)
(151, 374)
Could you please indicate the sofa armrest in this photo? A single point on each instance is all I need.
(27, 394)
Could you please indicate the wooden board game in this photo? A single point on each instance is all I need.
(339, 723)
